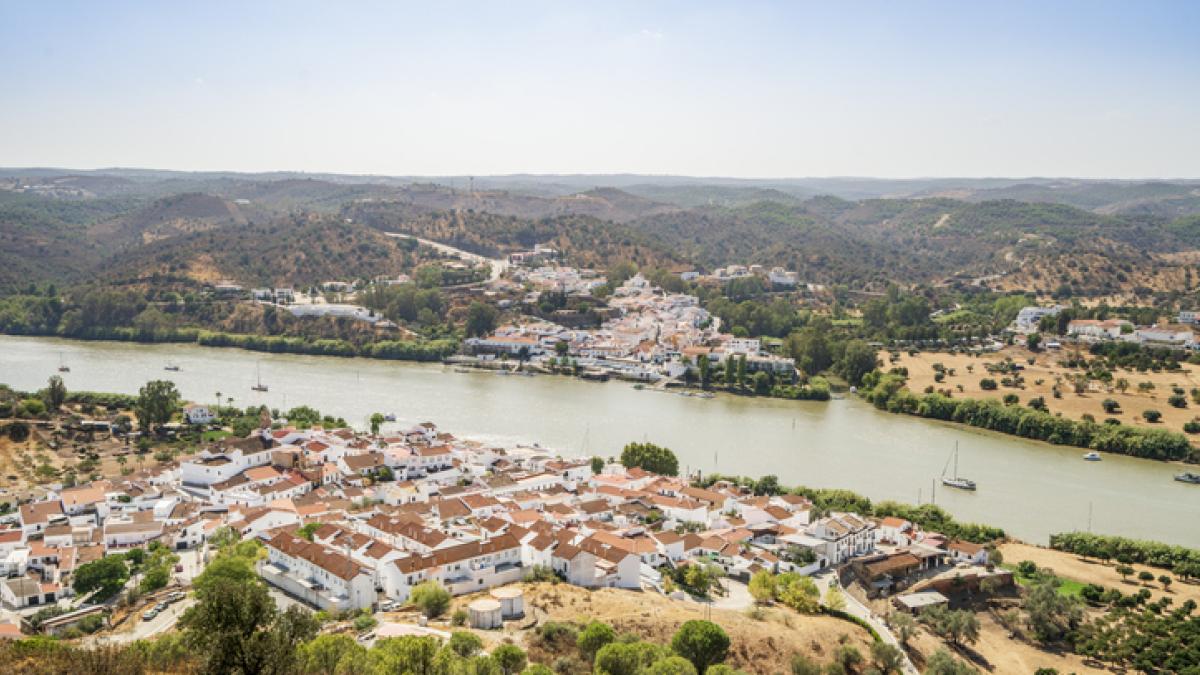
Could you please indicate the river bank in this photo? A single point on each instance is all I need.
(1031, 489)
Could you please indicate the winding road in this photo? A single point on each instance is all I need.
(498, 266)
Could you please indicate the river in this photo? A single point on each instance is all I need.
(1029, 488)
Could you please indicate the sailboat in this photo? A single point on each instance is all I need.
(62, 366)
(956, 481)
(258, 375)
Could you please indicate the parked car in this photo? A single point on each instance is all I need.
(150, 614)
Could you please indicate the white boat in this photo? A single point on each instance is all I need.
(1092, 456)
(956, 481)
(62, 366)
(258, 378)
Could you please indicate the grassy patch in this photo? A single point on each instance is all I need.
(214, 435)
(1067, 587)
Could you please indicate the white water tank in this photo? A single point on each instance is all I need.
(512, 601)
(485, 614)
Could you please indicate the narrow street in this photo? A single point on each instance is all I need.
(856, 608)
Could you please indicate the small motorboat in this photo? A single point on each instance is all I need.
(390, 417)
(1092, 456)
(1188, 477)
(173, 367)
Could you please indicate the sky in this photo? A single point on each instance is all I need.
(740, 89)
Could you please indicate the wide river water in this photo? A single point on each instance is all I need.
(1029, 488)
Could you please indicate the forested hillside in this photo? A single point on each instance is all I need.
(1088, 237)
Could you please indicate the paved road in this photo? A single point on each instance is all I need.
(498, 266)
(856, 608)
(146, 629)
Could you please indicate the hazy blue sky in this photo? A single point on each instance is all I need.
(732, 89)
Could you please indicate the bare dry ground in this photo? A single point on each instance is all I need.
(997, 652)
(758, 646)
(1040, 378)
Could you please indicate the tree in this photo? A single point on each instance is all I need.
(1145, 576)
(465, 643)
(848, 657)
(593, 637)
(671, 665)
(236, 627)
(798, 592)
(957, 626)
(56, 392)
(510, 658)
(1110, 406)
(942, 663)
(1051, 616)
(1151, 415)
(762, 587)
(330, 653)
(887, 658)
(156, 402)
(481, 319)
(704, 643)
(627, 658)
(1124, 571)
(377, 420)
(650, 457)
(407, 654)
(597, 465)
(1165, 581)
(1033, 341)
(106, 576)
(704, 367)
(834, 599)
(857, 360)
(431, 598)
(904, 625)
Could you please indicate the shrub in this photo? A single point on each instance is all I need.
(1151, 415)
(431, 598)
(593, 637)
(987, 384)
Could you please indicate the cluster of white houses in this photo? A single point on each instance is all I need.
(351, 520)
(1179, 335)
(652, 335)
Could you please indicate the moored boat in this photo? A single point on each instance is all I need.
(1188, 477)
(1092, 456)
(956, 481)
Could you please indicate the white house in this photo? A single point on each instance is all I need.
(226, 460)
(196, 413)
(846, 535)
(465, 568)
(316, 574)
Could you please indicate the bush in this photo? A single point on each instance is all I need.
(1151, 415)
(592, 638)
(364, 621)
(431, 598)
(987, 384)
(458, 618)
